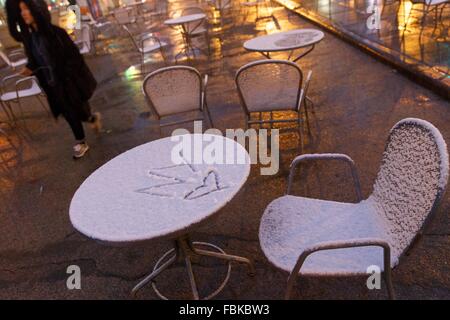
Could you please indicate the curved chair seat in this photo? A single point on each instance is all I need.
(292, 224)
(31, 91)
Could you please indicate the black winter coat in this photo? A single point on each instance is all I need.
(75, 82)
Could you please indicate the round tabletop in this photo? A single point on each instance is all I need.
(185, 19)
(285, 41)
(157, 190)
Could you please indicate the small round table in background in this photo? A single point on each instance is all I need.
(285, 41)
(143, 194)
(183, 22)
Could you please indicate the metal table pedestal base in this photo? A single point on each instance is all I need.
(186, 250)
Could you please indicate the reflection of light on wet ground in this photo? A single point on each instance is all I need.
(289, 4)
(271, 27)
(132, 72)
(403, 13)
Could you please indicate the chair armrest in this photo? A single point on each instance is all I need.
(340, 244)
(304, 90)
(326, 156)
(30, 78)
(15, 53)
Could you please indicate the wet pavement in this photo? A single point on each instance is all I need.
(394, 30)
(357, 100)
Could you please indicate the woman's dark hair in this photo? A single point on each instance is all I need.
(41, 15)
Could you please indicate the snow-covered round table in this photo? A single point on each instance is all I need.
(162, 190)
(285, 41)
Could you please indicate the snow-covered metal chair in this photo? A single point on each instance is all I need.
(97, 26)
(21, 90)
(83, 39)
(270, 86)
(177, 90)
(311, 237)
(146, 43)
(14, 59)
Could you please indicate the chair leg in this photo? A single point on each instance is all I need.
(209, 115)
(161, 51)
(11, 112)
(43, 106)
(5, 110)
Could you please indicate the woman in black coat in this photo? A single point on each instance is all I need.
(64, 76)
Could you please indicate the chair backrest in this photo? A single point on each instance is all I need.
(192, 26)
(123, 15)
(173, 90)
(84, 34)
(269, 85)
(222, 4)
(411, 181)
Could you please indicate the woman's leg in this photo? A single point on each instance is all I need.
(75, 124)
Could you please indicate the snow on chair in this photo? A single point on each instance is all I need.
(83, 39)
(311, 237)
(7, 98)
(14, 64)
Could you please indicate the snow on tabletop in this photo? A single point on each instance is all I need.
(141, 194)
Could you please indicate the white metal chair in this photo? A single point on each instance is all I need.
(175, 91)
(146, 43)
(19, 92)
(311, 237)
(83, 39)
(14, 59)
(269, 86)
(97, 25)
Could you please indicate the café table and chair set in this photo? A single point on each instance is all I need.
(145, 194)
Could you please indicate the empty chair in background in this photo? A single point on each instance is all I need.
(146, 43)
(272, 86)
(175, 91)
(83, 39)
